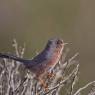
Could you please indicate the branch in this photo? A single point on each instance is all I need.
(62, 69)
(64, 81)
(84, 87)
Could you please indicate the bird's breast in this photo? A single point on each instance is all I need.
(54, 58)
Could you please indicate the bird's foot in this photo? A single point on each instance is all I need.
(51, 74)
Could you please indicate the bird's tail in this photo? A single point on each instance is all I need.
(9, 56)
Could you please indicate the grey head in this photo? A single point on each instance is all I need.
(54, 43)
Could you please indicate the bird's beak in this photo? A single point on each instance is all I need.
(66, 43)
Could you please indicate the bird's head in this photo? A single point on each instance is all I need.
(55, 44)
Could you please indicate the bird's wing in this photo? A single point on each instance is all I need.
(37, 60)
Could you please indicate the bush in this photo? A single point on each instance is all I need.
(16, 80)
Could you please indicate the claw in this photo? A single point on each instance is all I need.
(51, 74)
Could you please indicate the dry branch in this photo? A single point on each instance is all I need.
(13, 82)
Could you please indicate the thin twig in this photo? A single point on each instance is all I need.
(64, 81)
(82, 88)
(61, 70)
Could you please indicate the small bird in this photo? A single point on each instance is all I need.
(46, 59)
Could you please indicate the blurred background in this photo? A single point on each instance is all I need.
(33, 22)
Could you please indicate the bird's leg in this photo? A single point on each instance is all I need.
(43, 84)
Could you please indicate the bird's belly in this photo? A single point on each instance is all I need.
(42, 68)
(52, 62)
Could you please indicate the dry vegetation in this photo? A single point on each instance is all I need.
(16, 80)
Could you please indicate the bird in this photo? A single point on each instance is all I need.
(46, 59)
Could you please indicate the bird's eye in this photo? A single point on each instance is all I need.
(59, 42)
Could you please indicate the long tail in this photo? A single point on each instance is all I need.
(9, 56)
